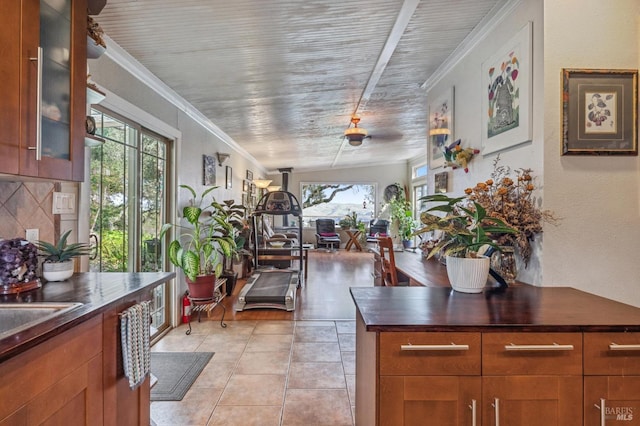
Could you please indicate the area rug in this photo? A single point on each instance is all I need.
(176, 372)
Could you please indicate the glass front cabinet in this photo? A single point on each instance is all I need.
(43, 71)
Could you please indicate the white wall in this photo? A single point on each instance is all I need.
(597, 245)
(465, 77)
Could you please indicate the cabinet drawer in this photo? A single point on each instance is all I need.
(422, 353)
(612, 354)
(532, 353)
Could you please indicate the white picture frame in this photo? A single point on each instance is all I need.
(441, 129)
(507, 83)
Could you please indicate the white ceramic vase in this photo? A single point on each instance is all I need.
(57, 271)
(468, 275)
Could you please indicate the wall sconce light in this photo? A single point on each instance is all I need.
(262, 183)
(222, 158)
(272, 188)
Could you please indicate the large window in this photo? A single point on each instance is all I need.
(321, 200)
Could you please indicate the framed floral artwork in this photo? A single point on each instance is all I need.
(208, 170)
(507, 112)
(599, 112)
(440, 127)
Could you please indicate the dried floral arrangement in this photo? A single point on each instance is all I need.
(512, 201)
(95, 32)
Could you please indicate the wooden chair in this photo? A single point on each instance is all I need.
(388, 263)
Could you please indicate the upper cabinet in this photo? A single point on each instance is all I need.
(43, 73)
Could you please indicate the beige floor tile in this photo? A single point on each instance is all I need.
(316, 334)
(233, 327)
(317, 407)
(316, 352)
(264, 363)
(246, 416)
(348, 362)
(314, 323)
(274, 327)
(230, 352)
(269, 343)
(351, 387)
(254, 390)
(194, 409)
(178, 343)
(347, 342)
(316, 375)
(346, 327)
(226, 338)
(215, 375)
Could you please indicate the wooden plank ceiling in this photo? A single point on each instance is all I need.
(282, 78)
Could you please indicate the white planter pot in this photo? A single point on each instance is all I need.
(57, 271)
(468, 275)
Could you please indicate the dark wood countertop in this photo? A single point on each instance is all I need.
(429, 273)
(96, 291)
(518, 308)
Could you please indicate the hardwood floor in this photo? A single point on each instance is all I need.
(325, 294)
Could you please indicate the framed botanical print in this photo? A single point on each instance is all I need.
(208, 170)
(507, 112)
(599, 112)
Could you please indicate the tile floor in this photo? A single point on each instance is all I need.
(266, 373)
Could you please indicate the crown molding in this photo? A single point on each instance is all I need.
(491, 20)
(130, 64)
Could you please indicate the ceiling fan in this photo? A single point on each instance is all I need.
(356, 135)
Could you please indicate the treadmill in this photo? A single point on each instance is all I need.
(270, 288)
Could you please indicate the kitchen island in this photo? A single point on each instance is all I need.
(525, 356)
(68, 370)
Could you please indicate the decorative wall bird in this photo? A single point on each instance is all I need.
(455, 156)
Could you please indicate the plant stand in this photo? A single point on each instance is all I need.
(209, 303)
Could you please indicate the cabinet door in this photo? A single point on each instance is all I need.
(532, 400)
(436, 400)
(53, 79)
(612, 400)
(10, 86)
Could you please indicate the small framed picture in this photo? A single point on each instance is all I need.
(208, 170)
(441, 181)
(228, 178)
(245, 185)
(249, 175)
(599, 112)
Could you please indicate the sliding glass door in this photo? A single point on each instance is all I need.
(128, 202)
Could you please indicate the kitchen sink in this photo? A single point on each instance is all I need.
(15, 317)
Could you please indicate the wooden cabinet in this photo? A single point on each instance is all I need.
(43, 80)
(56, 382)
(612, 379)
(469, 378)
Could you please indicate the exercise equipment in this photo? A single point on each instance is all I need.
(268, 287)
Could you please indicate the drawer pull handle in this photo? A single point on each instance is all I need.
(602, 407)
(617, 347)
(496, 410)
(553, 347)
(451, 347)
(472, 407)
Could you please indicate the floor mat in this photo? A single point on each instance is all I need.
(175, 373)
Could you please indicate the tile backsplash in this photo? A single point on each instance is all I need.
(26, 205)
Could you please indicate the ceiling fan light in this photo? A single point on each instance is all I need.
(355, 142)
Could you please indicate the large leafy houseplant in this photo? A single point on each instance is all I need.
(465, 226)
(207, 235)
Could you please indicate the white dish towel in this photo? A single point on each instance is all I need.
(134, 333)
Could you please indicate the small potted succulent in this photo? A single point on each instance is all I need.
(58, 262)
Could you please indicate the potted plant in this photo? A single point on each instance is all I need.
(235, 227)
(402, 215)
(196, 251)
(466, 229)
(58, 262)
